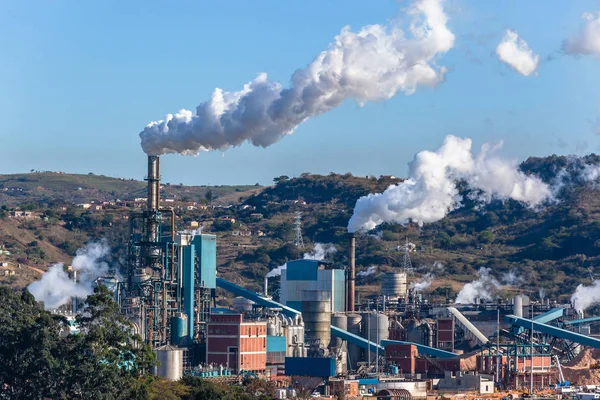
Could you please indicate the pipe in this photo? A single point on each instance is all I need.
(266, 285)
(351, 271)
(170, 211)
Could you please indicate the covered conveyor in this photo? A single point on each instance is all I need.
(553, 331)
(467, 325)
(250, 295)
(581, 321)
(425, 350)
(355, 339)
(549, 316)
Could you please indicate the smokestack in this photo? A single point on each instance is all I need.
(351, 271)
(153, 179)
(266, 285)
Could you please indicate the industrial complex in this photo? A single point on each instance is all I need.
(398, 346)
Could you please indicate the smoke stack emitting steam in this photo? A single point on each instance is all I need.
(374, 64)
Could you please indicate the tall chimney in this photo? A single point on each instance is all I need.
(153, 179)
(351, 271)
(266, 285)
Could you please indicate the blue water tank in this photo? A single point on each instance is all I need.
(179, 329)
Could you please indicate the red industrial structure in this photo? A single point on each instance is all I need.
(236, 344)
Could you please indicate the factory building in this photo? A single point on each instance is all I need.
(302, 275)
(235, 343)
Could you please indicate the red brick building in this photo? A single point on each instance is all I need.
(236, 344)
(406, 357)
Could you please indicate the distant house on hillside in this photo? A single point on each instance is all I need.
(230, 219)
(194, 224)
(84, 206)
(21, 214)
(241, 233)
(256, 215)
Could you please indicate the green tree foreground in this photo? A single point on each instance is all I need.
(104, 361)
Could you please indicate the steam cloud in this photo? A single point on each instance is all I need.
(515, 52)
(56, 289)
(482, 288)
(587, 40)
(431, 191)
(586, 296)
(319, 252)
(374, 64)
(423, 283)
(512, 278)
(369, 271)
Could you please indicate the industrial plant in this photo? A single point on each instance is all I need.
(397, 346)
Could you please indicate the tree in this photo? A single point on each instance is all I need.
(486, 237)
(209, 195)
(30, 348)
(106, 358)
(281, 179)
(104, 361)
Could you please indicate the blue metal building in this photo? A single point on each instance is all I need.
(302, 275)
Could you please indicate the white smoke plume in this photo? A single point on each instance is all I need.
(369, 271)
(483, 288)
(591, 173)
(587, 40)
(422, 283)
(320, 251)
(515, 52)
(431, 191)
(512, 278)
(542, 293)
(586, 296)
(56, 289)
(438, 265)
(374, 64)
(276, 271)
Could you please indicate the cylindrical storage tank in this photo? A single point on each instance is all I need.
(242, 305)
(338, 320)
(394, 285)
(179, 329)
(353, 324)
(271, 329)
(171, 362)
(518, 306)
(378, 324)
(316, 306)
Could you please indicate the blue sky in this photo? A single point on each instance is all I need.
(80, 80)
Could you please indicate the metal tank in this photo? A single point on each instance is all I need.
(242, 305)
(339, 320)
(518, 306)
(179, 329)
(316, 306)
(378, 325)
(353, 324)
(394, 285)
(171, 362)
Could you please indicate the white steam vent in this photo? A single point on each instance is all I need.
(56, 289)
(373, 64)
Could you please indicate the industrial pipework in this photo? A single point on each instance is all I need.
(351, 272)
